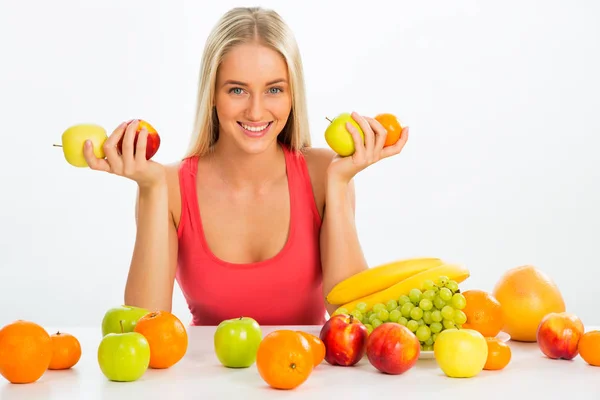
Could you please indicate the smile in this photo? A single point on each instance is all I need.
(255, 128)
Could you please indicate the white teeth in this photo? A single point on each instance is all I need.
(254, 128)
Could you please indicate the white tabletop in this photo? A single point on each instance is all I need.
(199, 375)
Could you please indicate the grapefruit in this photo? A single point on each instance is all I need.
(526, 295)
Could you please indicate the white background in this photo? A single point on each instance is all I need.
(500, 170)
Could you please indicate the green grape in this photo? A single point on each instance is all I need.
(429, 295)
(416, 313)
(445, 294)
(459, 301)
(395, 315)
(452, 285)
(383, 315)
(362, 307)
(391, 305)
(434, 336)
(412, 325)
(376, 322)
(406, 309)
(448, 312)
(421, 322)
(415, 296)
(378, 307)
(426, 305)
(438, 302)
(428, 348)
(341, 310)
(436, 316)
(428, 285)
(372, 317)
(442, 281)
(357, 314)
(403, 300)
(429, 342)
(402, 321)
(459, 317)
(423, 333)
(369, 328)
(427, 317)
(436, 327)
(448, 324)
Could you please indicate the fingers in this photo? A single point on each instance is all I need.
(369, 142)
(140, 150)
(359, 145)
(99, 164)
(380, 135)
(110, 149)
(396, 147)
(127, 146)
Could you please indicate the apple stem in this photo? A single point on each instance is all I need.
(121, 323)
(328, 119)
(351, 318)
(57, 145)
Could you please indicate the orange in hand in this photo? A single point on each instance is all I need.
(284, 359)
(317, 347)
(589, 348)
(499, 354)
(166, 336)
(66, 351)
(393, 127)
(484, 313)
(25, 351)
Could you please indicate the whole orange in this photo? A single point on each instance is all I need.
(499, 354)
(484, 313)
(284, 359)
(66, 351)
(393, 127)
(526, 294)
(167, 337)
(589, 348)
(317, 347)
(25, 351)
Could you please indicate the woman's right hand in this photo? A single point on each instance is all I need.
(146, 173)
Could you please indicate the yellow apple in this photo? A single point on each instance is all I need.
(339, 138)
(460, 353)
(74, 138)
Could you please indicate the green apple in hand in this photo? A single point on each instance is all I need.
(236, 342)
(74, 138)
(126, 315)
(124, 357)
(339, 138)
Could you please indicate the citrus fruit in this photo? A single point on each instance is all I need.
(317, 347)
(526, 295)
(393, 127)
(499, 354)
(484, 313)
(25, 351)
(284, 359)
(66, 351)
(166, 336)
(589, 348)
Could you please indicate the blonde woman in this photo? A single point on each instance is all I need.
(253, 221)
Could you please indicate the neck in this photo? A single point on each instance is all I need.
(241, 170)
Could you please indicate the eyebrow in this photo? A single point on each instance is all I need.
(232, 82)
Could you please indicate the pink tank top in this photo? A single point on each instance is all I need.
(283, 290)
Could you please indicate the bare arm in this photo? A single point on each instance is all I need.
(152, 271)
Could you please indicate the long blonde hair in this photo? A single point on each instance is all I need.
(243, 25)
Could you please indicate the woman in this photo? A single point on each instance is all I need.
(253, 221)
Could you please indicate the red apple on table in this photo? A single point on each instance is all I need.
(392, 348)
(152, 143)
(558, 335)
(345, 339)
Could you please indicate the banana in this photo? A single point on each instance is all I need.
(454, 272)
(379, 278)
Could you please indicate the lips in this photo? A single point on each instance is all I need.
(256, 128)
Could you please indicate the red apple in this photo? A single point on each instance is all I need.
(558, 335)
(345, 339)
(152, 143)
(392, 348)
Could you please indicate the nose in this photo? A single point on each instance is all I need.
(255, 108)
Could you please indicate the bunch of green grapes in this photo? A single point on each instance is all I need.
(425, 311)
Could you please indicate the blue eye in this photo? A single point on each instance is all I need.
(236, 90)
(275, 90)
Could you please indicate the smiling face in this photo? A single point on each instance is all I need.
(252, 97)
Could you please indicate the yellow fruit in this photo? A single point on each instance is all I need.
(460, 353)
(526, 295)
(454, 272)
(74, 138)
(378, 278)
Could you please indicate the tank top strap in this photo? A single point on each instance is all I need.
(188, 169)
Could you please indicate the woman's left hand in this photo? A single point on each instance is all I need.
(366, 153)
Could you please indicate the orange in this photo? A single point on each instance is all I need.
(284, 359)
(589, 348)
(166, 336)
(317, 347)
(526, 294)
(25, 351)
(66, 351)
(499, 354)
(484, 313)
(393, 127)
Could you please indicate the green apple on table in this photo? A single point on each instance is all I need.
(74, 138)
(124, 357)
(124, 315)
(236, 342)
(339, 138)
(460, 353)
